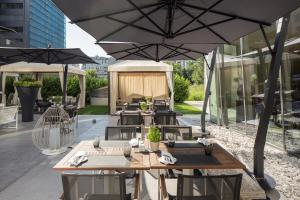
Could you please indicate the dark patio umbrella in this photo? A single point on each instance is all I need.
(156, 52)
(173, 21)
(46, 55)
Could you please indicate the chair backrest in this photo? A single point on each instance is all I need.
(225, 187)
(120, 132)
(160, 105)
(180, 132)
(81, 185)
(136, 100)
(132, 106)
(165, 118)
(8, 114)
(131, 118)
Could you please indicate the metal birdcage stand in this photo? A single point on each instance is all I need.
(54, 131)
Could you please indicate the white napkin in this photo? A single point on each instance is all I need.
(203, 141)
(78, 158)
(134, 142)
(167, 159)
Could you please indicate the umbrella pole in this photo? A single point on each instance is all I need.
(266, 181)
(65, 86)
(207, 90)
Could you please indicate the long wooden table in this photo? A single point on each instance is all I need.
(143, 113)
(108, 157)
(220, 158)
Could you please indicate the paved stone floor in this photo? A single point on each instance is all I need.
(26, 174)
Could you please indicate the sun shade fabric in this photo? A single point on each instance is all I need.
(142, 84)
(156, 52)
(44, 55)
(140, 66)
(177, 22)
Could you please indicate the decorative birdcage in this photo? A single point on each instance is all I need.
(54, 131)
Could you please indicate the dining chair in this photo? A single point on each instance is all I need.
(89, 186)
(165, 118)
(160, 105)
(128, 118)
(120, 132)
(222, 187)
(136, 100)
(133, 106)
(179, 132)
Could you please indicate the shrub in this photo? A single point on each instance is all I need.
(9, 85)
(181, 88)
(51, 87)
(153, 135)
(73, 88)
(27, 82)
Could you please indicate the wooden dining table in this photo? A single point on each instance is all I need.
(108, 157)
(190, 155)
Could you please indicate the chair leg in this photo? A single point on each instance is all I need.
(163, 187)
(137, 187)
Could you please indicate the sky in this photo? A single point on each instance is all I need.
(78, 38)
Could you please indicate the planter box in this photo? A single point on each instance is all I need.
(27, 96)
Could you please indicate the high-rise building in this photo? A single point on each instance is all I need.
(101, 66)
(38, 23)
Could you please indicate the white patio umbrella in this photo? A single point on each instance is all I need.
(173, 21)
(156, 52)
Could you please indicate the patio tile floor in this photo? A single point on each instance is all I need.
(25, 173)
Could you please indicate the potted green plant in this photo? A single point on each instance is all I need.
(27, 91)
(154, 136)
(143, 106)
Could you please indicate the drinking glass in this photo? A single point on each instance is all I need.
(171, 140)
(127, 150)
(96, 142)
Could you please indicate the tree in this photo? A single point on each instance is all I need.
(181, 88)
(197, 75)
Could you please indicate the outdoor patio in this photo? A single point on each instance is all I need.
(36, 179)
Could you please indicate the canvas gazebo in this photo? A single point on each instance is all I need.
(136, 78)
(38, 70)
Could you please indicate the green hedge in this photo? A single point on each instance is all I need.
(181, 88)
(51, 87)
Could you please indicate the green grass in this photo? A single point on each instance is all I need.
(94, 110)
(196, 93)
(186, 109)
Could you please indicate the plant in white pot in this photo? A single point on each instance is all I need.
(154, 137)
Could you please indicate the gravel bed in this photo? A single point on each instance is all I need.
(283, 168)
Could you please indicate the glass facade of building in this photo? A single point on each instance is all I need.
(38, 23)
(46, 25)
(237, 97)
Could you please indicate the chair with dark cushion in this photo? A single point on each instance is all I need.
(136, 100)
(131, 118)
(120, 132)
(180, 132)
(165, 118)
(133, 106)
(225, 187)
(89, 186)
(160, 105)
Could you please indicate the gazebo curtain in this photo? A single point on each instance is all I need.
(142, 84)
(113, 90)
(170, 84)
